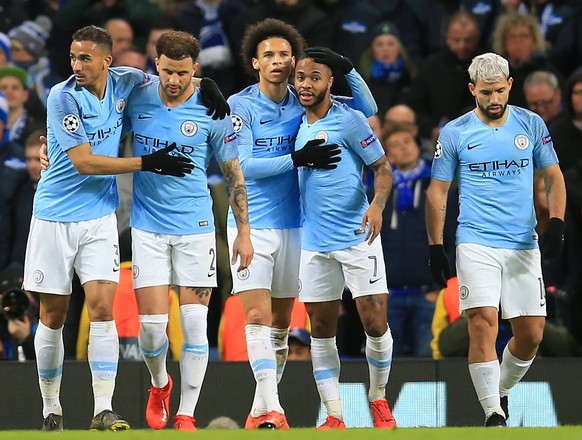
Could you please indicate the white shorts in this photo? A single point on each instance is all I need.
(55, 250)
(490, 276)
(323, 275)
(275, 265)
(181, 260)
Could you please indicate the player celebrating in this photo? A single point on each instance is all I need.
(339, 245)
(266, 117)
(172, 222)
(493, 151)
(74, 225)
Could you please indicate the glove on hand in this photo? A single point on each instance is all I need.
(326, 56)
(553, 239)
(439, 264)
(161, 162)
(315, 155)
(212, 99)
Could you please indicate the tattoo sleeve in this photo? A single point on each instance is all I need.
(236, 190)
(382, 181)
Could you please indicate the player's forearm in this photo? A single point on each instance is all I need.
(435, 213)
(101, 165)
(556, 194)
(363, 98)
(259, 168)
(382, 183)
(237, 193)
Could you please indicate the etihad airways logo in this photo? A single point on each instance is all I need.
(499, 168)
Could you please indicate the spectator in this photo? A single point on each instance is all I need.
(413, 293)
(220, 40)
(132, 57)
(403, 114)
(566, 131)
(15, 219)
(28, 44)
(122, 35)
(519, 38)
(22, 118)
(543, 95)
(313, 24)
(386, 66)
(439, 92)
(299, 344)
(5, 50)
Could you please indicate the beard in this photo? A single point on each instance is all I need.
(490, 115)
(318, 100)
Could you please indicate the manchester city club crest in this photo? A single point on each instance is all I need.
(322, 135)
(188, 128)
(521, 141)
(135, 271)
(243, 274)
(464, 291)
(120, 105)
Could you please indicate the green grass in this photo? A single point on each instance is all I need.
(560, 433)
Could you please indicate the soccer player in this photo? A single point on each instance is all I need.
(74, 227)
(266, 117)
(172, 222)
(492, 151)
(339, 245)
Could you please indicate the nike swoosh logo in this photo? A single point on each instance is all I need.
(116, 269)
(158, 170)
(542, 304)
(210, 274)
(143, 117)
(89, 116)
(470, 147)
(371, 281)
(264, 122)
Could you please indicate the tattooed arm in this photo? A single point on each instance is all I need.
(436, 209)
(237, 198)
(382, 187)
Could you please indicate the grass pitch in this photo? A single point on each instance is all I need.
(560, 433)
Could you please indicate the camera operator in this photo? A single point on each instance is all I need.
(18, 321)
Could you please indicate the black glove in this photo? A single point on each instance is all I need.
(553, 239)
(161, 162)
(213, 99)
(326, 56)
(315, 155)
(439, 264)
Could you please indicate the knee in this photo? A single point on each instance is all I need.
(100, 312)
(257, 317)
(375, 326)
(530, 338)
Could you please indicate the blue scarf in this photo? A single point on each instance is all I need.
(404, 182)
(390, 72)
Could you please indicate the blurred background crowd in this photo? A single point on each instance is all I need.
(414, 56)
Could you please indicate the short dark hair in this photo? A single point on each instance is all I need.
(95, 34)
(263, 30)
(178, 45)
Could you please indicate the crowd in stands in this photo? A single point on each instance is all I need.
(414, 56)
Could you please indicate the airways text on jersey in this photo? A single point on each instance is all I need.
(497, 168)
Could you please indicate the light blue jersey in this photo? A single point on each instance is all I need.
(75, 117)
(495, 168)
(167, 204)
(266, 133)
(334, 201)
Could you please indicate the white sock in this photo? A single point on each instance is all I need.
(103, 354)
(326, 371)
(279, 338)
(194, 359)
(153, 344)
(50, 352)
(263, 364)
(379, 357)
(512, 370)
(485, 377)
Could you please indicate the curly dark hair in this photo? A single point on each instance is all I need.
(95, 34)
(263, 30)
(178, 45)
